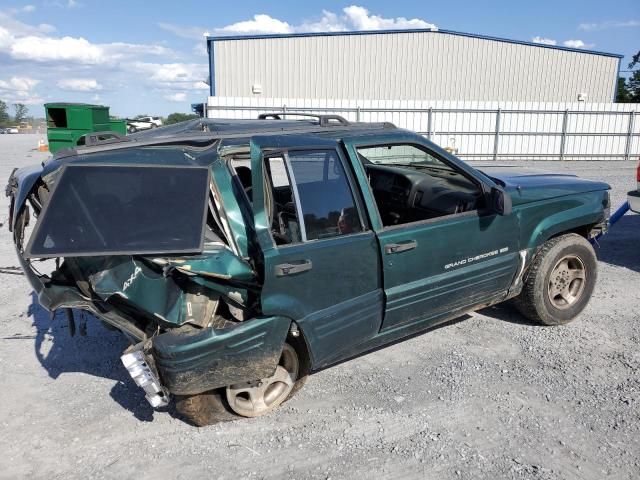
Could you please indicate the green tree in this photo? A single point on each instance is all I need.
(4, 113)
(622, 92)
(179, 117)
(633, 83)
(21, 111)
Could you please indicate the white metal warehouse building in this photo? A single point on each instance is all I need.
(408, 65)
(485, 98)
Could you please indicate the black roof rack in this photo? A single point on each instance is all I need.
(323, 120)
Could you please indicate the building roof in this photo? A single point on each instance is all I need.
(211, 39)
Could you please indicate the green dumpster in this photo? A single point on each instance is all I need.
(67, 122)
(118, 126)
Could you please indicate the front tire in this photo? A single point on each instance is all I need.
(559, 282)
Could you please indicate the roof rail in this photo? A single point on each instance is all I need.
(323, 120)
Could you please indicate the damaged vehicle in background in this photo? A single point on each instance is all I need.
(240, 256)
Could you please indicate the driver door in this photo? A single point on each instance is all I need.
(435, 268)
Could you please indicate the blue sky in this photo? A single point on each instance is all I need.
(150, 57)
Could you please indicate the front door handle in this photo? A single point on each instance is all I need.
(292, 268)
(400, 247)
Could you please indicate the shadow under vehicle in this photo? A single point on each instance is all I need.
(239, 256)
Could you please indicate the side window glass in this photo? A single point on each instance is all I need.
(280, 203)
(326, 202)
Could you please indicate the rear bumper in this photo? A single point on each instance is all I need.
(634, 200)
(196, 361)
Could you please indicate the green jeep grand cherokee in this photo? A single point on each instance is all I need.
(240, 256)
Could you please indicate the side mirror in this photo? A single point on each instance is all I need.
(500, 201)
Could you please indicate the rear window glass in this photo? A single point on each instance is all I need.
(326, 200)
(98, 210)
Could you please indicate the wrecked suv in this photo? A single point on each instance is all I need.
(240, 256)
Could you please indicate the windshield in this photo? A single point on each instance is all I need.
(401, 155)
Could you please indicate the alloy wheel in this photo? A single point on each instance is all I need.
(256, 398)
(567, 282)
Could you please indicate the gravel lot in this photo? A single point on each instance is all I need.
(489, 396)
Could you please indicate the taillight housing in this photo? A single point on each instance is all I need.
(638, 176)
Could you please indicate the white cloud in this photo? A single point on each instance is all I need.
(361, 20)
(26, 42)
(200, 86)
(608, 24)
(577, 44)
(17, 28)
(172, 73)
(27, 100)
(329, 22)
(353, 17)
(5, 38)
(261, 23)
(199, 49)
(80, 85)
(41, 48)
(194, 33)
(20, 90)
(28, 8)
(118, 50)
(46, 49)
(544, 41)
(176, 97)
(18, 83)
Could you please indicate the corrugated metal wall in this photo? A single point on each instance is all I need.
(409, 65)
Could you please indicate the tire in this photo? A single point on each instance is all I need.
(204, 409)
(213, 407)
(559, 282)
(131, 129)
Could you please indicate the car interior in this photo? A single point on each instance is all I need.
(408, 184)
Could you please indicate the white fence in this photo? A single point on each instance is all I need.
(480, 130)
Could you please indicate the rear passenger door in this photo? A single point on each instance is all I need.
(321, 261)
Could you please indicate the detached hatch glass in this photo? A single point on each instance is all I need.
(107, 210)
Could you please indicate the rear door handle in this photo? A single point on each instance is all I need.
(292, 268)
(400, 247)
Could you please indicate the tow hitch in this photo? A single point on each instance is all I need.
(144, 377)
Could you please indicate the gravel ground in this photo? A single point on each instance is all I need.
(489, 396)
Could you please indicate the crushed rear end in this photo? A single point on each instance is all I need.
(154, 242)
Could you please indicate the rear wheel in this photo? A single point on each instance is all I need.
(249, 399)
(560, 281)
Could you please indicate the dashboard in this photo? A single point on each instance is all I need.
(406, 194)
